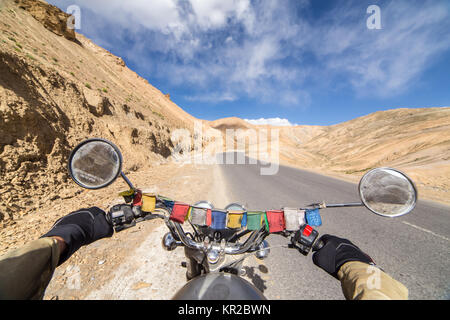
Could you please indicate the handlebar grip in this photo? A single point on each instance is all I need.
(318, 245)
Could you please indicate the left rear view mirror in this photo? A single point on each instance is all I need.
(95, 163)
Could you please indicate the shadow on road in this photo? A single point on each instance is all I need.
(256, 279)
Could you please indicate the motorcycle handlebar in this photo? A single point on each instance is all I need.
(124, 216)
(253, 239)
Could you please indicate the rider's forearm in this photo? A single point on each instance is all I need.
(26, 272)
(361, 281)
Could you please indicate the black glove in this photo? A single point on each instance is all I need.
(335, 252)
(80, 228)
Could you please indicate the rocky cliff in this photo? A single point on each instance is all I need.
(58, 88)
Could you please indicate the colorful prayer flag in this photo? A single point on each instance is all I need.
(218, 219)
(254, 220)
(148, 202)
(235, 219)
(275, 220)
(313, 217)
(179, 212)
(198, 216)
(294, 218)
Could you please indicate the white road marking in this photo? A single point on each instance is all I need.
(426, 230)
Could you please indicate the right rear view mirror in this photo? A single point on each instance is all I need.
(388, 192)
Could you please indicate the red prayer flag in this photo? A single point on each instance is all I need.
(179, 212)
(276, 220)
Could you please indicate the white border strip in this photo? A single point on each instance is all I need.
(425, 230)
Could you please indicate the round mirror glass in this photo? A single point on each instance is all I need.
(95, 163)
(387, 192)
(204, 205)
(235, 206)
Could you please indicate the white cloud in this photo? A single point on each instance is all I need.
(213, 97)
(241, 47)
(382, 62)
(212, 14)
(278, 122)
(133, 15)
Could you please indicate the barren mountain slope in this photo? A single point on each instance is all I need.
(290, 138)
(416, 141)
(57, 90)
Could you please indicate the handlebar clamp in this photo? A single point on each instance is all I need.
(122, 217)
(304, 239)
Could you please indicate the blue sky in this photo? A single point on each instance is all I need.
(304, 61)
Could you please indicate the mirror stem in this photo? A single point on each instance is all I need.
(338, 205)
(127, 181)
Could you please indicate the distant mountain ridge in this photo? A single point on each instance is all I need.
(416, 141)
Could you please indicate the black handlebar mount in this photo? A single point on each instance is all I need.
(124, 216)
(304, 239)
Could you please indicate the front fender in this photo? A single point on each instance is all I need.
(218, 286)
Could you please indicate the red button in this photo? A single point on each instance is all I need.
(307, 231)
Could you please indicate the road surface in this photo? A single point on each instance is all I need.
(414, 249)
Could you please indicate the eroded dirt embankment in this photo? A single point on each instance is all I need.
(58, 88)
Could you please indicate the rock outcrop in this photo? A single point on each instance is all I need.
(50, 16)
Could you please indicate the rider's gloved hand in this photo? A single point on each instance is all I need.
(337, 251)
(80, 228)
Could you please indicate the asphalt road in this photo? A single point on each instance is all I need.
(414, 249)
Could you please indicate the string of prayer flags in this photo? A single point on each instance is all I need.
(313, 217)
(218, 219)
(254, 220)
(289, 219)
(179, 212)
(235, 218)
(275, 221)
(294, 218)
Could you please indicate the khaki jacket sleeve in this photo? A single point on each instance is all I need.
(361, 281)
(26, 271)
